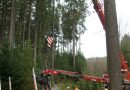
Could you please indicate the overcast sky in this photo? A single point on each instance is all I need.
(93, 43)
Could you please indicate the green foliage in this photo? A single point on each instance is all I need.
(73, 17)
(125, 47)
(80, 63)
(88, 85)
(65, 59)
(37, 16)
(81, 84)
(9, 67)
(17, 64)
(26, 60)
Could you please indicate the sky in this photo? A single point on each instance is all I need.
(93, 41)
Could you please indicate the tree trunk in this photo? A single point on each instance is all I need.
(112, 40)
(63, 45)
(30, 11)
(24, 22)
(74, 48)
(53, 57)
(35, 47)
(12, 24)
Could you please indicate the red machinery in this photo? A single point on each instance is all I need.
(45, 73)
(105, 78)
(74, 74)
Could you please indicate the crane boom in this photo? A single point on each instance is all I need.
(75, 74)
(99, 9)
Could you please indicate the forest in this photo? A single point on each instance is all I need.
(25, 26)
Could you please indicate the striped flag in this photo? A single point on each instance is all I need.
(49, 41)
